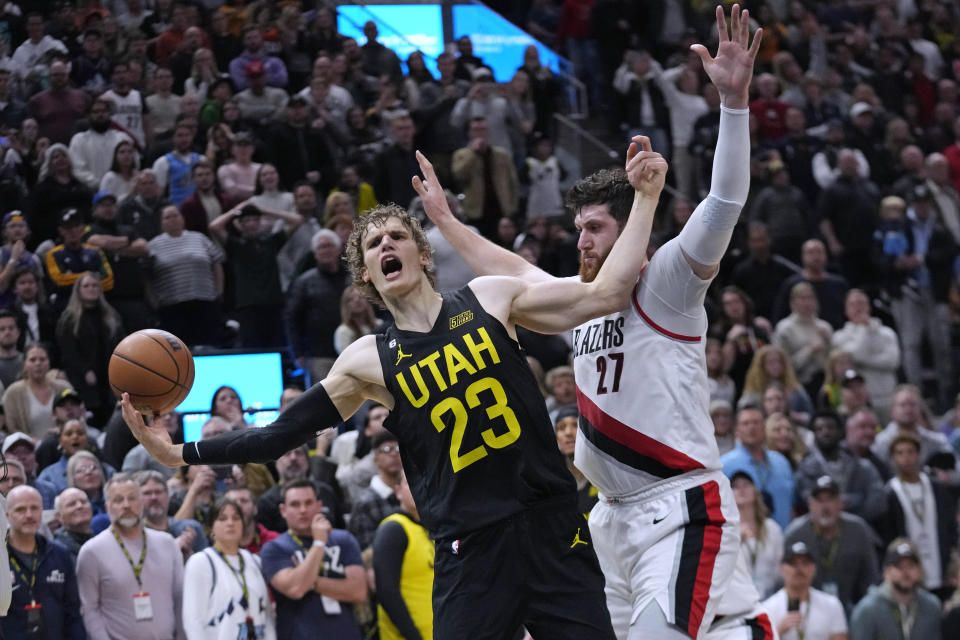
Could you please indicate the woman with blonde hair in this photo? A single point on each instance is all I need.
(782, 437)
(86, 472)
(88, 330)
(356, 319)
(203, 73)
(771, 364)
(761, 539)
(28, 402)
(338, 203)
(838, 362)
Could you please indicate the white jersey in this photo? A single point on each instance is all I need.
(128, 112)
(642, 385)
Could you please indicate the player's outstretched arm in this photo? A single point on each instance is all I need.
(355, 377)
(561, 304)
(480, 254)
(706, 235)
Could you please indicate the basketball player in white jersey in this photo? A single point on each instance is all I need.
(666, 525)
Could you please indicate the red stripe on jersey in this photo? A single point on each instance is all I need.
(712, 534)
(633, 439)
(764, 621)
(656, 327)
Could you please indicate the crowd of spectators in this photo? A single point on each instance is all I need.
(178, 164)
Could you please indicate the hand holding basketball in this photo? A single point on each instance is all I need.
(155, 368)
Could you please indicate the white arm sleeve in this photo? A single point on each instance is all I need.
(706, 235)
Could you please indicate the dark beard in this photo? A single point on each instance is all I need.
(100, 127)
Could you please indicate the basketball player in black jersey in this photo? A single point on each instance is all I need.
(477, 444)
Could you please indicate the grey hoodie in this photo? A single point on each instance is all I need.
(877, 616)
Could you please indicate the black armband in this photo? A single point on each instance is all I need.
(306, 416)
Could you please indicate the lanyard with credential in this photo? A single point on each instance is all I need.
(241, 577)
(137, 568)
(303, 548)
(32, 579)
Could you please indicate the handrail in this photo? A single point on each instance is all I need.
(580, 132)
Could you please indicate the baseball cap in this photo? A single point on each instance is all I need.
(795, 550)
(825, 483)
(65, 395)
(250, 210)
(13, 216)
(850, 376)
(255, 68)
(897, 551)
(741, 474)
(70, 217)
(15, 438)
(103, 195)
(482, 73)
(859, 108)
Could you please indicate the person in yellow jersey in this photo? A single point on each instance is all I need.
(403, 564)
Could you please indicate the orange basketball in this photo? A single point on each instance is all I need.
(155, 368)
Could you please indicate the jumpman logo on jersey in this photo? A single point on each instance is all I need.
(577, 540)
(400, 355)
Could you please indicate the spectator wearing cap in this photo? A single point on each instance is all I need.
(830, 288)
(299, 151)
(770, 470)
(260, 103)
(22, 401)
(186, 274)
(826, 165)
(761, 538)
(483, 101)
(90, 70)
(854, 394)
(921, 510)
(396, 163)
(252, 260)
(126, 249)
(865, 133)
(898, 608)
(847, 210)
(874, 348)
(860, 484)
(67, 406)
(799, 611)
(842, 545)
(805, 337)
(379, 500)
(74, 513)
(238, 179)
(20, 447)
(57, 189)
(174, 169)
(57, 109)
(68, 261)
(45, 603)
(274, 70)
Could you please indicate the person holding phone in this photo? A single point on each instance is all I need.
(799, 611)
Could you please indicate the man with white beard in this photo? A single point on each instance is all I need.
(130, 577)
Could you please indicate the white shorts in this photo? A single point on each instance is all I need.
(677, 544)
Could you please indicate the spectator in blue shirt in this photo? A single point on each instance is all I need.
(770, 471)
(315, 570)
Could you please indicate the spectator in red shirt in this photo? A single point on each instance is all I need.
(769, 110)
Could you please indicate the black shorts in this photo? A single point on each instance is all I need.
(536, 568)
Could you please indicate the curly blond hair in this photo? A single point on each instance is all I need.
(377, 217)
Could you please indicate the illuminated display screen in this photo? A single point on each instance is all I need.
(402, 28)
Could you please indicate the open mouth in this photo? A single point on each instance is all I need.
(390, 265)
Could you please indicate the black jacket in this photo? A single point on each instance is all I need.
(895, 525)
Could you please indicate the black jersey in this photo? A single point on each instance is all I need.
(475, 437)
